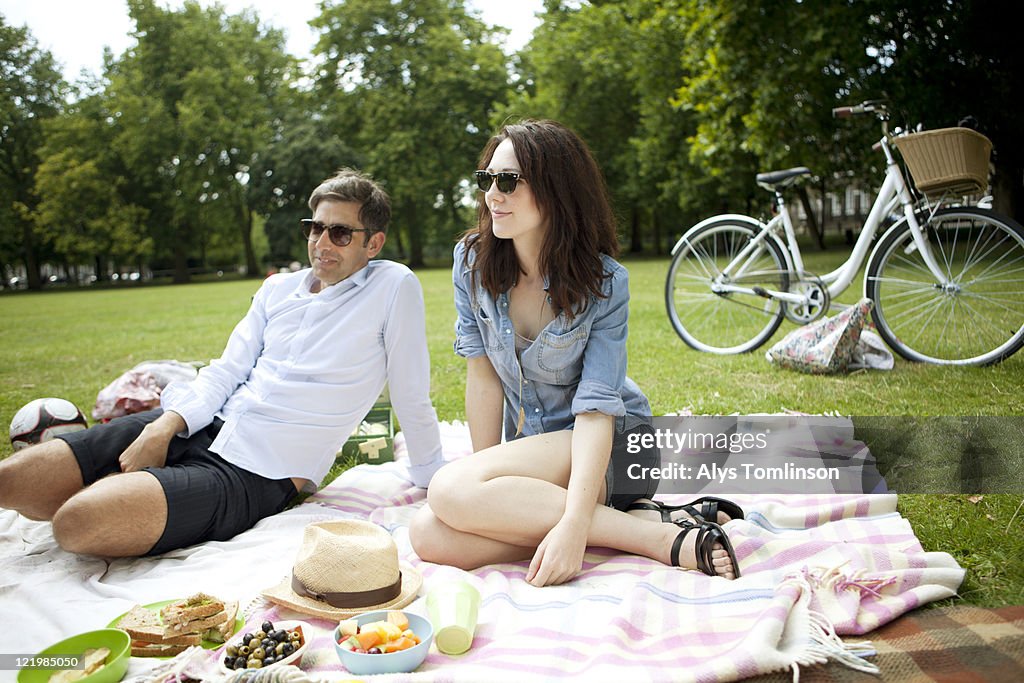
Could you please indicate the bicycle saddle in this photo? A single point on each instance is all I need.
(773, 180)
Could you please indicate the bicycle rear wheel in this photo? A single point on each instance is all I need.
(977, 318)
(724, 323)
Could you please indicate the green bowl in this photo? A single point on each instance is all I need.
(115, 640)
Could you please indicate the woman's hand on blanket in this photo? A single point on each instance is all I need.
(559, 556)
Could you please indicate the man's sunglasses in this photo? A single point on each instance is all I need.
(507, 181)
(341, 235)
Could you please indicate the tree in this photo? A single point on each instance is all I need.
(675, 189)
(304, 151)
(197, 96)
(81, 183)
(232, 109)
(939, 61)
(580, 63)
(611, 70)
(411, 84)
(763, 76)
(762, 80)
(31, 91)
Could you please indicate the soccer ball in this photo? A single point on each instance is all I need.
(44, 418)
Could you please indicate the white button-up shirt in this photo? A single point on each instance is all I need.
(301, 370)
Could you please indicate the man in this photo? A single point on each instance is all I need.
(265, 420)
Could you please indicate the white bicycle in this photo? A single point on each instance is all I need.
(947, 281)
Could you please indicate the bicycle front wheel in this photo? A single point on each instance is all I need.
(976, 317)
(726, 322)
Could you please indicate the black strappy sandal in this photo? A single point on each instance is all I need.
(708, 533)
(710, 506)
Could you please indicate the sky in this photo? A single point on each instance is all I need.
(75, 31)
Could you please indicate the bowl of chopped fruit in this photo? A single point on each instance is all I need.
(383, 642)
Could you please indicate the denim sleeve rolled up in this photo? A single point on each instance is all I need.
(604, 356)
(468, 342)
(573, 366)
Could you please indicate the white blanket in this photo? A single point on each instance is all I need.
(807, 561)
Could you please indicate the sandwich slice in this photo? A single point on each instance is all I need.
(196, 626)
(219, 634)
(180, 614)
(148, 638)
(141, 649)
(179, 625)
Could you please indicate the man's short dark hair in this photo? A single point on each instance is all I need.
(349, 185)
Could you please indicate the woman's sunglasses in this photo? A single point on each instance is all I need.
(341, 235)
(507, 181)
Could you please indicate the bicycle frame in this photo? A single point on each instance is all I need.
(893, 192)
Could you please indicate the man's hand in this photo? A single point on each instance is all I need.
(150, 448)
(559, 556)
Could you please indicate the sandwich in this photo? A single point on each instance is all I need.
(148, 638)
(211, 617)
(193, 614)
(179, 625)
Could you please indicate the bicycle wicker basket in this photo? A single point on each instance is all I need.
(953, 160)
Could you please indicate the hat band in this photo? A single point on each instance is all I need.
(377, 596)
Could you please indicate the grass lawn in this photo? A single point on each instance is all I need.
(72, 343)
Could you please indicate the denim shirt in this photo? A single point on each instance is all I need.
(571, 368)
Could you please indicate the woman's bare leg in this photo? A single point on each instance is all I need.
(497, 505)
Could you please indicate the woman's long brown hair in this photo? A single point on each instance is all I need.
(572, 196)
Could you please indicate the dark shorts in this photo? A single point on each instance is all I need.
(208, 498)
(626, 479)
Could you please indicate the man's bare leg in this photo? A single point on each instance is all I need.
(36, 481)
(122, 515)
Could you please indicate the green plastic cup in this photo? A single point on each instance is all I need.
(453, 608)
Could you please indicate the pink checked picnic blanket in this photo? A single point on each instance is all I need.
(814, 568)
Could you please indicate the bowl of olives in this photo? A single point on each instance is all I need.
(281, 642)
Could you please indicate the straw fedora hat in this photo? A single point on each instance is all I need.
(344, 568)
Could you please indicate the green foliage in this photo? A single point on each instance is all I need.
(661, 141)
(984, 533)
(411, 84)
(581, 71)
(304, 151)
(939, 61)
(198, 98)
(31, 91)
(205, 125)
(83, 212)
(761, 80)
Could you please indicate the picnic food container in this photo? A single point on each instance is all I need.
(115, 640)
(286, 625)
(373, 442)
(951, 160)
(453, 610)
(402, 661)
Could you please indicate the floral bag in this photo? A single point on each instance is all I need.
(825, 346)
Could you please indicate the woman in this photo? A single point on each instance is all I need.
(542, 309)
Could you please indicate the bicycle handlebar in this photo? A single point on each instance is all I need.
(869, 107)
